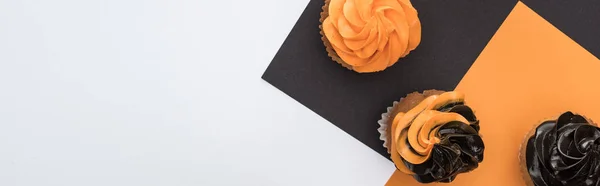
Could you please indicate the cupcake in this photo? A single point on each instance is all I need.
(563, 151)
(432, 136)
(369, 35)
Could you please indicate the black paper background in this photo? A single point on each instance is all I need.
(454, 32)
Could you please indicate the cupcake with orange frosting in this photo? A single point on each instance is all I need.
(369, 35)
(432, 136)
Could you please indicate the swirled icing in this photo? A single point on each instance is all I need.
(437, 139)
(565, 151)
(371, 35)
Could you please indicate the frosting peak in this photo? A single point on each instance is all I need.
(371, 35)
(565, 151)
(437, 139)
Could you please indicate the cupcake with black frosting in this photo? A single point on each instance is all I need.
(561, 152)
(432, 136)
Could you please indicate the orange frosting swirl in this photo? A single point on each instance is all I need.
(371, 35)
(437, 139)
(417, 127)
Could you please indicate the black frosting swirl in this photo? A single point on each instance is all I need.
(565, 151)
(460, 149)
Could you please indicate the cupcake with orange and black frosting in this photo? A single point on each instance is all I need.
(560, 152)
(433, 136)
(369, 35)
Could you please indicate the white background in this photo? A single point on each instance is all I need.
(160, 92)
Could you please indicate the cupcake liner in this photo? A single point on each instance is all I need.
(523, 149)
(384, 125)
(523, 158)
(330, 52)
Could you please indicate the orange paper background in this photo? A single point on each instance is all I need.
(528, 72)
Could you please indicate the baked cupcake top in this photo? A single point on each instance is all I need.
(371, 35)
(565, 151)
(437, 139)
